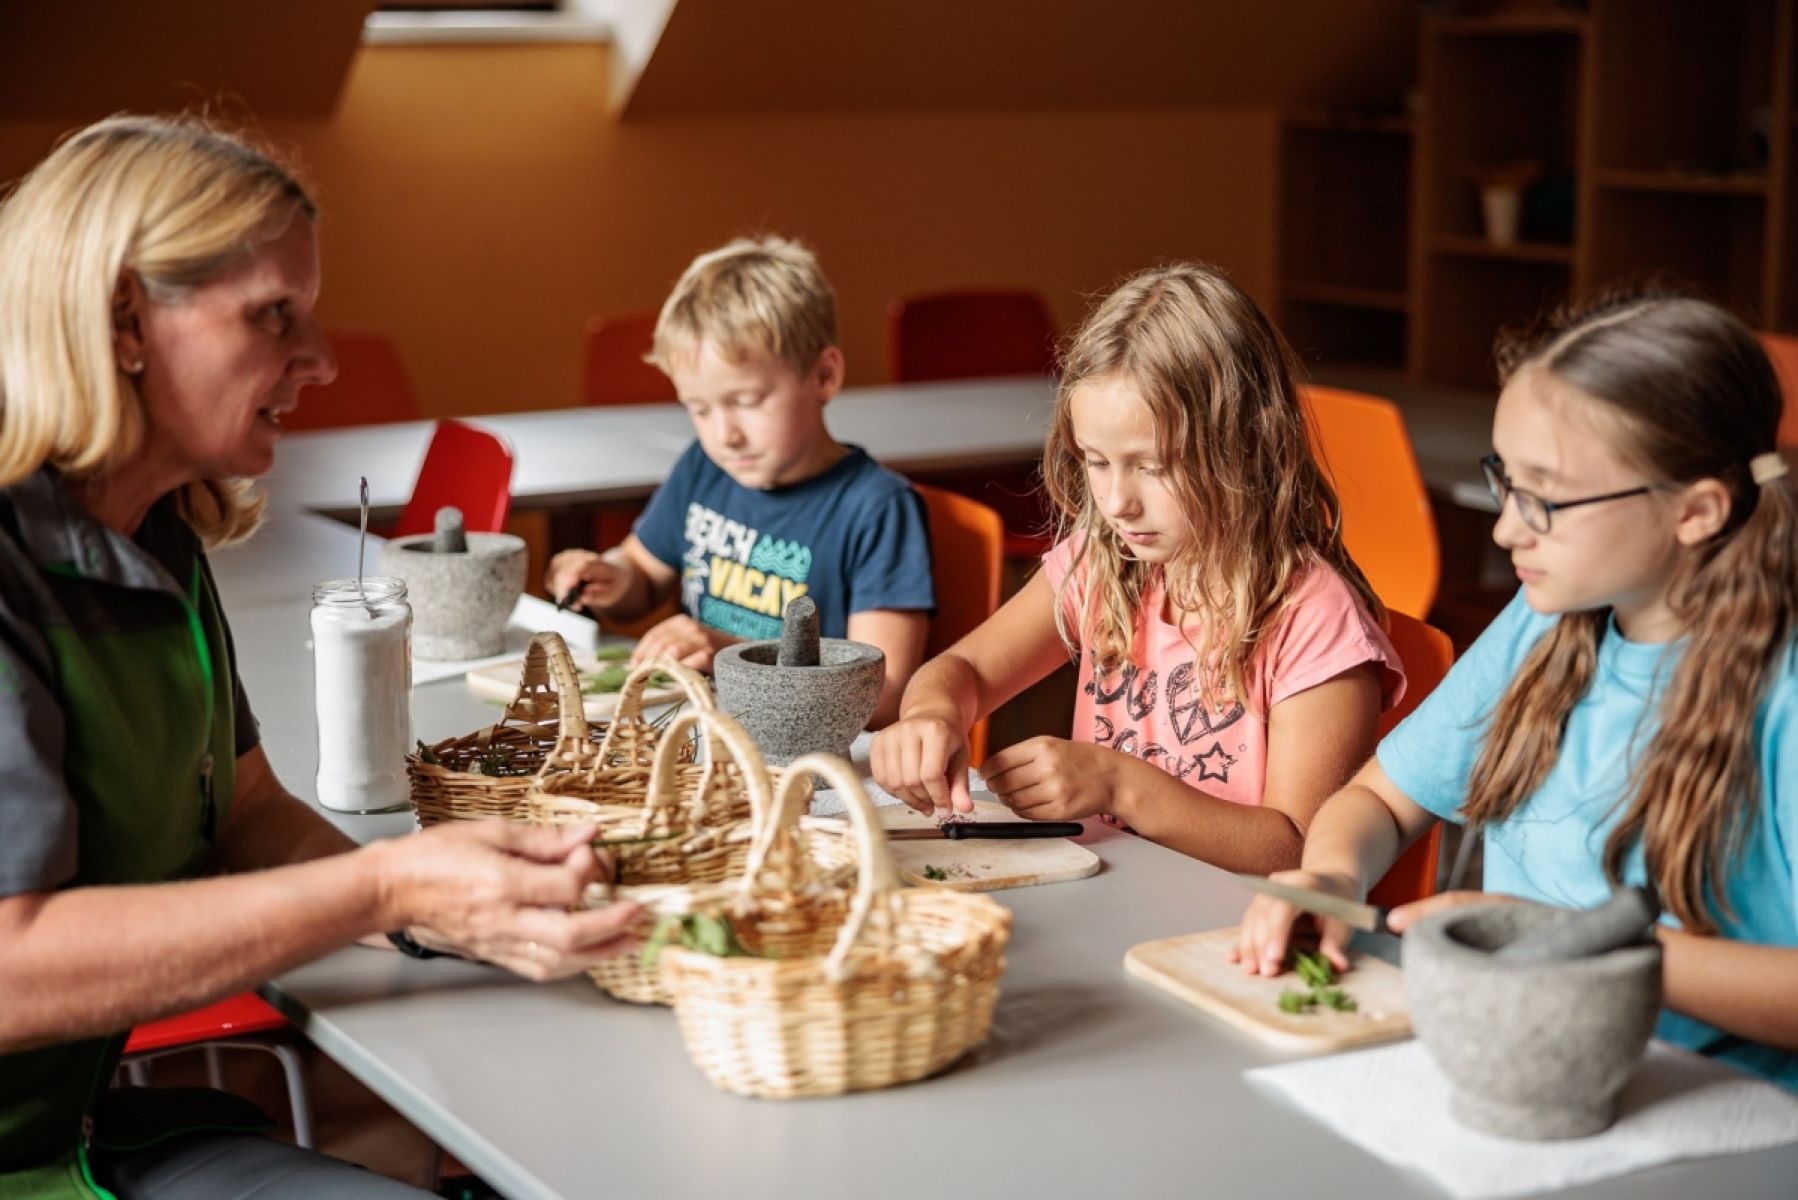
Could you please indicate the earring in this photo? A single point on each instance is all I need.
(132, 368)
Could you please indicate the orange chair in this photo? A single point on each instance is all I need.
(1386, 521)
(464, 466)
(371, 387)
(1427, 655)
(222, 1026)
(967, 542)
(1782, 348)
(980, 335)
(616, 373)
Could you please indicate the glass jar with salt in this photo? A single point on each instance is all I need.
(362, 683)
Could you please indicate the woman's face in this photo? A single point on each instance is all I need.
(223, 364)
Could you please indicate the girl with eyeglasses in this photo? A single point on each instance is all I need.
(1632, 716)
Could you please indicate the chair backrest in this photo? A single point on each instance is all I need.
(1386, 519)
(467, 467)
(969, 335)
(1427, 654)
(967, 548)
(1782, 348)
(371, 388)
(615, 372)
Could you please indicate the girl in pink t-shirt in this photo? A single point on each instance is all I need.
(1232, 665)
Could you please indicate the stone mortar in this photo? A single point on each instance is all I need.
(460, 602)
(791, 711)
(1533, 1051)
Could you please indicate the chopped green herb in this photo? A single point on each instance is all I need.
(1336, 998)
(612, 653)
(1316, 973)
(1295, 1002)
(935, 874)
(1314, 970)
(611, 679)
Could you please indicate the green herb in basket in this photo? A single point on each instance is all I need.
(428, 755)
(611, 679)
(703, 932)
(613, 653)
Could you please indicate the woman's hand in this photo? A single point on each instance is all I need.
(924, 762)
(1266, 932)
(602, 583)
(684, 640)
(505, 893)
(1053, 779)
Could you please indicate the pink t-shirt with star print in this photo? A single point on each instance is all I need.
(1150, 709)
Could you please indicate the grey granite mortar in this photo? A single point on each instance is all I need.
(460, 602)
(1534, 1051)
(791, 711)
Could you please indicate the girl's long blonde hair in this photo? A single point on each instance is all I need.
(1695, 398)
(1233, 442)
(174, 201)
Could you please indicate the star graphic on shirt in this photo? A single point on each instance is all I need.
(1215, 763)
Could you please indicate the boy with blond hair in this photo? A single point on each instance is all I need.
(765, 505)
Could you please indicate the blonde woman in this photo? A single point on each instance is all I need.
(1232, 665)
(157, 284)
(1632, 717)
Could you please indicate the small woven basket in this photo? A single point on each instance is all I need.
(489, 772)
(674, 847)
(906, 985)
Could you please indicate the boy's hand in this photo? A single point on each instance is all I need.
(924, 762)
(684, 640)
(602, 582)
(1053, 779)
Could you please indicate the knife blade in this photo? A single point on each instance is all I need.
(956, 831)
(1370, 917)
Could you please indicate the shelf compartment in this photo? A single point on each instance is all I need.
(1541, 253)
(1469, 300)
(1320, 331)
(1344, 295)
(1691, 238)
(1739, 186)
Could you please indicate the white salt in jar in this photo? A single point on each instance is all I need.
(362, 684)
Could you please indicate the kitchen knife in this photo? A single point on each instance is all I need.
(958, 830)
(1362, 916)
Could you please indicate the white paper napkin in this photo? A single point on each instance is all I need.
(1393, 1102)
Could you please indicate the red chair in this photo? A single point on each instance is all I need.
(967, 561)
(468, 467)
(980, 335)
(1427, 655)
(222, 1026)
(371, 387)
(1782, 348)
(615, 372)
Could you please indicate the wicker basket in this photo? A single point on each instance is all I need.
(905, 988)
(675, 848)
(489, 772)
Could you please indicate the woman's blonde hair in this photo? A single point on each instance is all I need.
(1693, 397)
(763, 294)
(1233, 442)
(174, 201)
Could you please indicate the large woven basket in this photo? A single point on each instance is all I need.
(675, 845)
(544, 729)
(906, 985)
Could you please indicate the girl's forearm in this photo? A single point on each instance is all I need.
(1740, 987)
(1236, 837)
(946, 688)
(1354, 836)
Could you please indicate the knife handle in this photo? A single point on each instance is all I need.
(956, 830)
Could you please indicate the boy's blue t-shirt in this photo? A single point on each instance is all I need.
(854, 538)
(1551, 848)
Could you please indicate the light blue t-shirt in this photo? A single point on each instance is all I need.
(1551, 848)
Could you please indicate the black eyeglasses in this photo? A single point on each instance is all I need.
(1533, 510)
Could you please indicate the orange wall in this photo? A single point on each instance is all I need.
(480, 204)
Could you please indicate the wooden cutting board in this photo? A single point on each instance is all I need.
(499, 681)
(984, 864)
(1193, 968)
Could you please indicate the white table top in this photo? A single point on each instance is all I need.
(1091, 1084)
(589, 455)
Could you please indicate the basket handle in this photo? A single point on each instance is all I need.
(548, 655)
(877, 883)
(630, 696)
(721, 732)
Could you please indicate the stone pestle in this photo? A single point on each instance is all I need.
(799, 633)
(449, 535)
(1585, 933)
